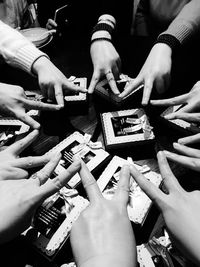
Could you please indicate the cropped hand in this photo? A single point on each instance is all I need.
(20, 198)
(106, 62)
(180, 209)
(103, 235)
(154, 73)
(188, 157)
(191, 109)
(189, 112)
(13, 103)
(53, 83)
(51, 24)
(14, 167)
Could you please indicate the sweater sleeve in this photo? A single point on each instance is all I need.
(16, 50)
(186, 23)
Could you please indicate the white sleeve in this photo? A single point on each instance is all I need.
(16, 50)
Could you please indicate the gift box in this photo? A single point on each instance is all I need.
(139, 203)
(11, 129)
(127, 129)
(77, 104)
(53, 220)
(179, 125)
(79, 144)
(111, 101)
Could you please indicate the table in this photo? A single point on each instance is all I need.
(74, 59)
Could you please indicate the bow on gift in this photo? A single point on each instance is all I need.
(86, 142)
(140, 123)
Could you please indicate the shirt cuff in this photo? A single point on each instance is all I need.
(26, 56)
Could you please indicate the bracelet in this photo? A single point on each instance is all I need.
(170, 40)
(100, 39)
(107, 17)
(109, 20)
(103, 27)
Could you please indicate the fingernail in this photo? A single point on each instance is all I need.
(175, 144)
(37, 126)
(60, 106)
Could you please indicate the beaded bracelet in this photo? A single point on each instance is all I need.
(103, 27)
(101, 39)
(170, 40)
(108, 20)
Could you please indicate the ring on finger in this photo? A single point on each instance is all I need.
(109, 76)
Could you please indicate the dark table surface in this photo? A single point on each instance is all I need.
(71, 56)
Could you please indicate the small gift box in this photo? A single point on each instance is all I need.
(139, 203)
(180, 125)
(11, 128)
(53, 221)
(77, 103)
(90, 152)
(103, 91)
(126, 128)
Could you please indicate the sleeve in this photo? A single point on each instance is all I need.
(186, 23)
(16, 50)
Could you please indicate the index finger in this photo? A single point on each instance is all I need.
(93, 82)
(148, 187)
(123, 187)
(89, 183)
(168, 177)
(38, 105)
(70, 86)
(132, 85)
(59, 94)
(20, 145)
(112, 83)
(148, 85)
(54, 185)
(170, 101)
(190, 139)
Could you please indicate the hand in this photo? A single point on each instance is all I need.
(155, 72)
(180, 209)
(191, 103)
(51, 24)
(52, 81)
(13, 102)
(190, 157)
(103, 235)
(20, 198)
(13, 167)
(106, 61)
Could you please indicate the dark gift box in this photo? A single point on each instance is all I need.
(77, 104)
(128, 132)
(53, 220)
(111, 101)
(79, 144)
(139, 204)
(179, 125)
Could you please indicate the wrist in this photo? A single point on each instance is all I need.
(39, 64)
(104, 27)
(164, 49)
(101, 34)
(106, 261)
(169, 40)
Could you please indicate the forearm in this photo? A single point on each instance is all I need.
(108, 261)
(16, 49)
(186, 23)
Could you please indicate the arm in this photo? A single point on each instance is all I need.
(16, 50)
(179, 208)
(186, 23)
(20, 52)
(102, 234)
